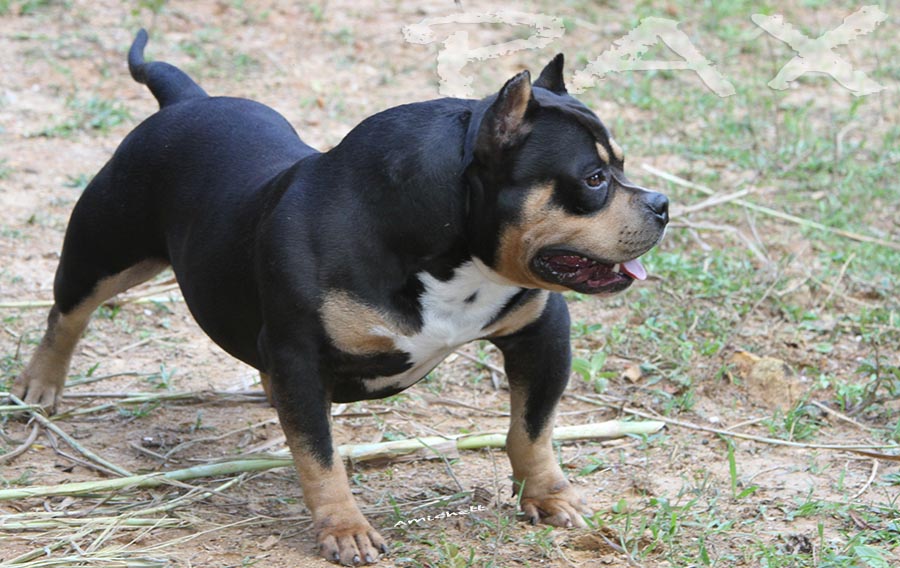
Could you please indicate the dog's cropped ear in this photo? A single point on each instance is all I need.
(505, 123)
(551, 77)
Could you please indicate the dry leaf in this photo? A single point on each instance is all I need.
(632, 373)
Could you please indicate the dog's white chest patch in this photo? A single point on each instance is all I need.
(454, 312)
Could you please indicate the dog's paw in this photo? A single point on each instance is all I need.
(347, 538)
(560, 506)
(30, 389)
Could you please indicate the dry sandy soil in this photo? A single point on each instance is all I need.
(325, 67)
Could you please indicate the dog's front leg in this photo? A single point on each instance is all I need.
(342, 532)
(537, 361)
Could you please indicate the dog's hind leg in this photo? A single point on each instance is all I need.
(41, 383)
(106, 251)
(266, 383)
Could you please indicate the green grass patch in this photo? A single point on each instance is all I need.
(89, 115)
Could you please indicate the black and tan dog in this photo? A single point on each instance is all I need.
(350, 274)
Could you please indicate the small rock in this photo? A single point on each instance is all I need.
(768, 380)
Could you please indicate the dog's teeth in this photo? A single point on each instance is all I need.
(616, 267)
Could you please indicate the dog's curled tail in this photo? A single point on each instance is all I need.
(168, 83)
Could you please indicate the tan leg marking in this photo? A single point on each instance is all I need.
(352, 324)
(547, 495)
(267, 387)
(42, 381)
(342, 532)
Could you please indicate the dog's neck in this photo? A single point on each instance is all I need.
(416, 178)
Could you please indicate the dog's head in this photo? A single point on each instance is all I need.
(550, 206)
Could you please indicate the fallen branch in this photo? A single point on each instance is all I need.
(23, 447)
(95, 523)
(89, 380)
(771, 212)
(760, 255)
(868, 482)
(35, 304)
(148, 479)
(354, 452)
(91, 456)
(135, 398)
(27, 304)
(713, 201)
(14, 408)
(861, 449)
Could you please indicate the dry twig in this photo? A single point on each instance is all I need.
(356, 452)
(46, 423)
(862, 449)
(23, 447)
(772, 212)
(868, 481)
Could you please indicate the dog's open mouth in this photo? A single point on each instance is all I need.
(587, 275)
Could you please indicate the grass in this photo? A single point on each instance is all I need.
(29, 7)
(719, 295)
(591, 370)
(799, 423)
(78, 182)
(726, 277)
(679, 530)
(210, 59)
(92, 115)
(757, 131)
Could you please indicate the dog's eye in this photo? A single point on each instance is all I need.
(596, 180)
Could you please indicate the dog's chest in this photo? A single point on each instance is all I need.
(453, 312)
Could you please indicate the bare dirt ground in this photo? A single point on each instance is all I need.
(326, 67)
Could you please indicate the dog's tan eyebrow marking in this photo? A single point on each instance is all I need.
(617, 150)
(604, 155)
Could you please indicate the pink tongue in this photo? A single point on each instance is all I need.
(635, 269)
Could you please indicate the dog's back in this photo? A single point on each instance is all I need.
(184, 178)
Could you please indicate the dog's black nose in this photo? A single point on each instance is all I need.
(659, 205)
